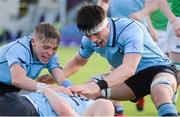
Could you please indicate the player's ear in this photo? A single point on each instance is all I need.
(32, 41)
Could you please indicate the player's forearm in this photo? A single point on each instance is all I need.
(104, 4)
(124, 71)
(25, 83)
(69, 69)
(20, 80)
(58, 75)
(150, 26)
(149, 7)
(119, 75)
(73, 66)
(59, 105)
(164, 7)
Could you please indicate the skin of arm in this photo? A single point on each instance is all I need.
(74, 65)
(20, 80)
(152, 30)
(59, 105)
(164, 7)
(124, 71)
(154, 5)
(104, 4)
(149, 7)
(117, 76)
(58, 75)
(47, 78)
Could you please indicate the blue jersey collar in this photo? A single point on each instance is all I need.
(112, 34)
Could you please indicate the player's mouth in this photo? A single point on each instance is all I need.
(45, 59)
(101, 43)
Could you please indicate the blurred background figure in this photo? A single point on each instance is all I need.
(19, 17)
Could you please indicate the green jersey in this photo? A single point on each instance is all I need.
(175, 7)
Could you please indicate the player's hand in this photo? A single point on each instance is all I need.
(61, 89)
(90, 90)
(137, 16)
(48, 79)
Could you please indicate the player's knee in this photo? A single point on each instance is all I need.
(164, 82)
(161, 81)
(162, 86)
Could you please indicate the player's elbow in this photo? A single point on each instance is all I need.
(131, 72)
(16, 81)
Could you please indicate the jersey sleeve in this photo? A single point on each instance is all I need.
(86, 48)
(53, 63)
(133, 37)
(18, 55)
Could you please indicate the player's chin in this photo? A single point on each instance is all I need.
(44, 60)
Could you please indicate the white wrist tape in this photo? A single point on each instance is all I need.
(40, 86)
(97, 28)
(106, 93)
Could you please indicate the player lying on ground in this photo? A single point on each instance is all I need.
(52, 102)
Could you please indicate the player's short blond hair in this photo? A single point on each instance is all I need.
(46, 32)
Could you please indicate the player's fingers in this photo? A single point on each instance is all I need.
(69, 92)
(76, 89)
(61, 89)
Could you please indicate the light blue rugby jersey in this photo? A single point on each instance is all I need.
(126, 36)
(20, 52)
(43, 107)
(123, 8)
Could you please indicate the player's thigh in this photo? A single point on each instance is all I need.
(121, 92)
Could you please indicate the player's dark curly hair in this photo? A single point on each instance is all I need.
(89, 16)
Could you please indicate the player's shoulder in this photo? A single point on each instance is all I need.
(87, 42)
(21, 45)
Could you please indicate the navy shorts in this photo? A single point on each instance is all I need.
(7, 89)
(12, 104)
(140, 83)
